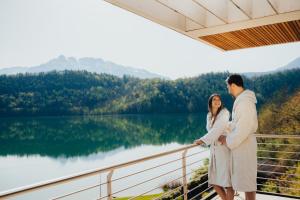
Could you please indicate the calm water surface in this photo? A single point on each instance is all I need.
(43, 148)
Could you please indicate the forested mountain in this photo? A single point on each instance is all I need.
(281, 118)
(85, 93)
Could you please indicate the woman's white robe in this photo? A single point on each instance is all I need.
(219, 165)
(242, 142)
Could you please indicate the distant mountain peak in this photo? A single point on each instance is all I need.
(294, 64)
(90, 64)
(61, 57)
(291, 65)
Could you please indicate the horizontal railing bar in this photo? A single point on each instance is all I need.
(169, 192)
(72, 193)
(145, 170)
(278, 173)
(203, 175)
(190, 155)
(278, 194)
(289, 188)
(180, 186)
(69, 194)
(201, 192)
(179, 159)
(88, 173)
(279, 151)
(197, 186)
(210, 187)
(195, 162)
(294, 160)
(103, 197)
(179, 196)
(156, 177)
(210, 195)
(277, 165)
(279, 144)
(277, 136)
(82, 190)
(156, 188)
(151, 179)
(272, 179)
(196, 196)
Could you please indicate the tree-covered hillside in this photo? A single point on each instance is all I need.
(84, 93)
(277, 118)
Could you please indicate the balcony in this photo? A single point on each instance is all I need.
(184, 177)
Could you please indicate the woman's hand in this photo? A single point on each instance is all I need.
(222, 139)
(199, 142)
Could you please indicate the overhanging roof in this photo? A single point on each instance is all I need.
(225, 24)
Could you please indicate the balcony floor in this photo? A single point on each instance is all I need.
(258, 197)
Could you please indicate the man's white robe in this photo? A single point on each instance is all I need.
(242, 142)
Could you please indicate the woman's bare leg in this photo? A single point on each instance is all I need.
(229, 193)
(221, 192)
(250, 195)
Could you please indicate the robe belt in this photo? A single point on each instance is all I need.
(213, 158)
(231, 162)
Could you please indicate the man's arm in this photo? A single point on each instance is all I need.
(245, 124)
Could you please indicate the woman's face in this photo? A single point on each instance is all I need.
(216, 102)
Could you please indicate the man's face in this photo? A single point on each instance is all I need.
(229, 88)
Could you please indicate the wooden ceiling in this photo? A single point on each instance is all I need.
(257, 36)
(224, 24)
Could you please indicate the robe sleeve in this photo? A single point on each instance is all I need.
(218, 128)
(245, 123)
(207, 122)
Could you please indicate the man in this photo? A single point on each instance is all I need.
(241, 139)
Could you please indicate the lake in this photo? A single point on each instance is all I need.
(42, 148)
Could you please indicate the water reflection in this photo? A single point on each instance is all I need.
(82, 136)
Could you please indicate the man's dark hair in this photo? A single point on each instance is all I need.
(236, 79)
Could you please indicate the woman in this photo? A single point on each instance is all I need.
(219, 165)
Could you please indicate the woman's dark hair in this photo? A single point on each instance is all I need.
(210, 99)
(236, 79)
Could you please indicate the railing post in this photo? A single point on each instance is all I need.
(100, 189)
(109, 190)
(184, 180)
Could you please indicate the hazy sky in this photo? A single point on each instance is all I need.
(35, 31)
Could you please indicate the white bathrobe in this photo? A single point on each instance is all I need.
(242, 142)
(219, 165)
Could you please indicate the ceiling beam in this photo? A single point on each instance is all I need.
(246, 9)
(211, 12)
(153, 11)
(178, 6)
(273, 19)
(273, 7)
(242, 10)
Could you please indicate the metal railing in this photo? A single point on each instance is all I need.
(278, 160)
(182, 168)
(270, 169)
